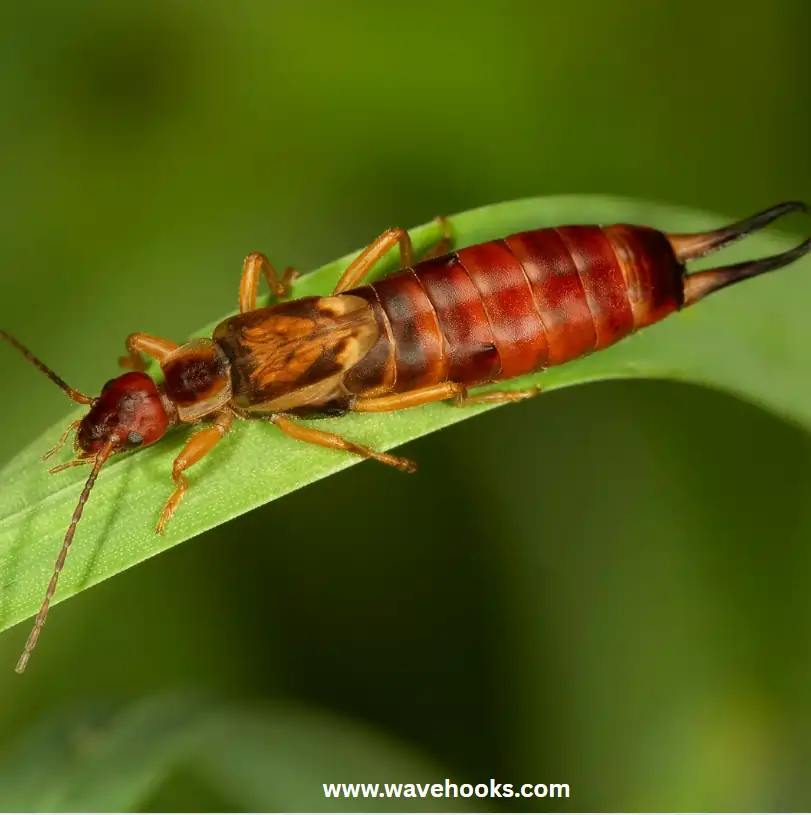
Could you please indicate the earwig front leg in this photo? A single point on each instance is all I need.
(58, 446)
(409, 399)
(255, 263)
(74, 462)
(335, 442)
(138, 344)
(200, 444)
(496, 397)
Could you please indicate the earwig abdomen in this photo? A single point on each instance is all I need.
(420, 357)
(510, 307)
(512, 318)
(654, 277)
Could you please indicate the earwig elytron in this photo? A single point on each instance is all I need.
(428, 333)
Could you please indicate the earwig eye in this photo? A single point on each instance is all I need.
(107, 385)
(134, 438)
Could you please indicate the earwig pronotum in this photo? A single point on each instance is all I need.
(428, 333)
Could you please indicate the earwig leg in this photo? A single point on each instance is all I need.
(255, 263)
(438, 393)
(444, 244)
(138, 344)
(496, 397)
(199, 445)
(58, 446)
(419, 396)
(367, 259)
(370, 257)
(75, 462)
(335, 442)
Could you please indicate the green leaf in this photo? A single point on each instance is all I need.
(277, 759)
(99, 758)
(752, 340)
(95, 758)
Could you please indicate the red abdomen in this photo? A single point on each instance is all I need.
(517, 305)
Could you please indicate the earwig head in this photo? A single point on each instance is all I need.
(129, 413)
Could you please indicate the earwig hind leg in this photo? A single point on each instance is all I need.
(61, 443)
(496, 397)
(444, 244)
(334, 442)
(409, 399)
(138, 344)
(373, 254)
(255, 264)
(198, 446)
(452, 391)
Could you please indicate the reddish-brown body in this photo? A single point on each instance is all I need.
(481, 314)
(509, 307)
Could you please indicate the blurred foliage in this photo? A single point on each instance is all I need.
(605, 587)
(99, 758)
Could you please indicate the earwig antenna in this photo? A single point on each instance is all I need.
(73, 394)
(102, 456)
(699, 244)
(697, 286)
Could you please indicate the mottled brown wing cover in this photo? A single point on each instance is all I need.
(294, 354)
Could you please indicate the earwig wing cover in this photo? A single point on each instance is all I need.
(296, 345)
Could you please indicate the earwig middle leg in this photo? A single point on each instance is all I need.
(255, 264)
(198, 446)
(496, 397)
(336, 442)
(138, 344)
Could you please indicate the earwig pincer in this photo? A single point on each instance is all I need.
(453, 321)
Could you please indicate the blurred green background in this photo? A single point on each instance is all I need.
(606, 587)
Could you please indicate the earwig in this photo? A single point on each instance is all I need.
(451, 322)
